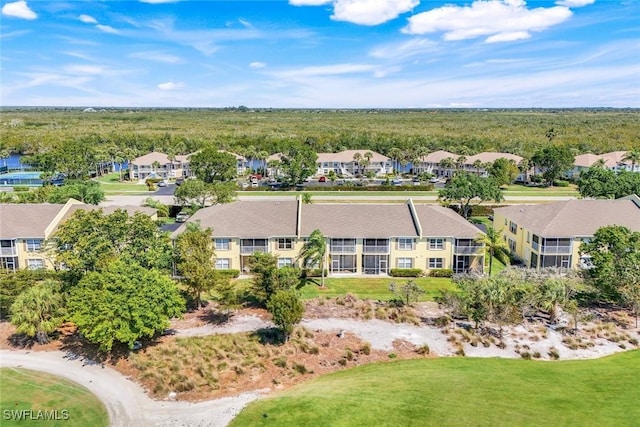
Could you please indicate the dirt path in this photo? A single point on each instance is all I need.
(126, 402)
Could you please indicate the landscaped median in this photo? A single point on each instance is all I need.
(461, 392)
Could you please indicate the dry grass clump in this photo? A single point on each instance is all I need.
(370, 309)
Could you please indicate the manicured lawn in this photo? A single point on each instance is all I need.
(375, 288)
(112, 185)
(461, 392)
(371, 288)
(22, 389)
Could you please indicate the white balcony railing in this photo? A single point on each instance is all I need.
(555, 250)
(8, 251)
(343, 249)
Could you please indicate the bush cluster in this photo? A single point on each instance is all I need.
(441, 272)
(405, 272)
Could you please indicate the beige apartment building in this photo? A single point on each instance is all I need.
(550, 235)
(361, 238)
(25, 228)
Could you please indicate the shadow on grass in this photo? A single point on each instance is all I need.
(270, 336)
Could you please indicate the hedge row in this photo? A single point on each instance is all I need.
(441, 272)
(229, 274)
(405, 272)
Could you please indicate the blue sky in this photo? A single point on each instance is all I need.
(321, 53)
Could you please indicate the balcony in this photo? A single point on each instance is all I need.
(377, 249)
(8, 251)
(248, 250)
(342, 248)
(468, 250)
(555, 250)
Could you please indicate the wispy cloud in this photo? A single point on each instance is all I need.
(87, 19)
(405, 49)
(158, 1)
(107, 29)
(157, 56)
(498, 20)
(18, 9)
(325, 70)
(170, 86)
(309, 2)
(11, 34)
(257, 64)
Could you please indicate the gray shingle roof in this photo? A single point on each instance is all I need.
(358, 220)
(259, 219)
(574, 217)
(438, 221)
(26, 220)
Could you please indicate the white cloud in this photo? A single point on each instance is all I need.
(18, 9)
(309, 2)
(500, 20)
(370, 12)
(84, 69)
(257, 64)
(412, 47)
(575, 3)
(88, 19)
(170, 86)
(157, 56)
(107, 29)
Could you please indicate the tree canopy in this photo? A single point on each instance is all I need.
(39, 310)
(194, 253)
(211, 165)
(466, 189)
(123, 303)
(298, 163)
(198, 194)
(504, 171)
(553, 161)
(90, 240)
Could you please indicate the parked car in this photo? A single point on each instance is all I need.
(182, 217)
(322, 179)
(434, 180)
(179, 181)
(162, 184)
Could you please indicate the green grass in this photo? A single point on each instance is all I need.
(371, 288)
(461, 392)
(22, 389)
(112, 185)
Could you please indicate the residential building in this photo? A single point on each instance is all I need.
(158, 165)
(550, 235)
(25, 228)
(349, 163)
(434, 163)
(361, 238)
(613, 161)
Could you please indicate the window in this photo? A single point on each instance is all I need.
(223, 263)
(405, 262)
(436, 263)
(223, 244)
(512, 245)
(33, 245)
(285, 243)
(436, 244)
(405, 244)
(35, 264)
(513, 227)
(285, 262)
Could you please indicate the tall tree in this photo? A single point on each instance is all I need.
(39, 311)
(211, 165)
(194, 260)
(494, 245)
(467, 189)
(314, 253)
(553, 161)
(598, 183)
(198, 194)
(633, 156)
(286, 310)
(298, 163)
(123, 303)
(504, 171)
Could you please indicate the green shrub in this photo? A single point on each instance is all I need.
(441, 272)
(405, 272)
(560, 183)
(316, 272)
(228, 273)
(21, 189)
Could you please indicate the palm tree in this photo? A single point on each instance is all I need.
(130, 154)
(38, 311)
(524, 166)
(478, 165)
(366, 161)
(460, 162)
(494, 245)
(395, 154)
(262, 156)
(357, 159)
(155, 165)
(314, 252)
(634, 157)
(447, 163)
(4, 155)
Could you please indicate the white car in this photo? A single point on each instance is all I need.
(182, 217)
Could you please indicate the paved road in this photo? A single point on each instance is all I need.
(138, 200)
(126, 402)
